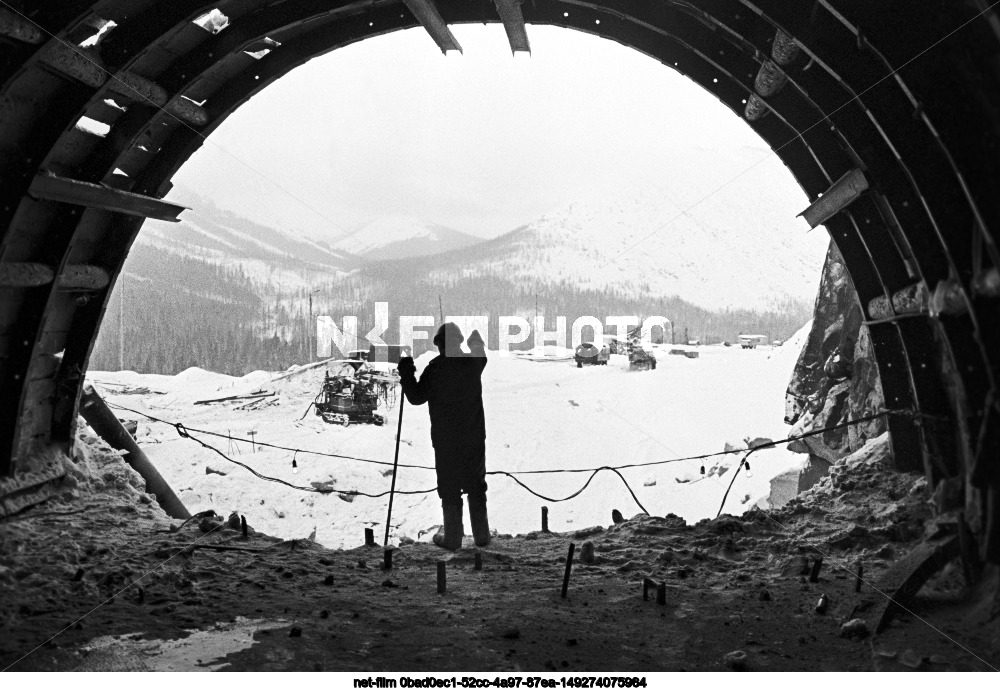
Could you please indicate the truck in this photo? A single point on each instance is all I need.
(751, 340)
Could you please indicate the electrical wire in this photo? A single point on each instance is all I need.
(185, 432)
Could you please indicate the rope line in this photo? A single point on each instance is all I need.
(185, 432)
(697, 457)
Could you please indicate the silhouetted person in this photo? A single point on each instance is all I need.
(451, 386)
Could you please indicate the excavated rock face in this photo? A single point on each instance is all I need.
(836, 377)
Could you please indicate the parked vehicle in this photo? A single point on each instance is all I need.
(751, 340)
(587, 353)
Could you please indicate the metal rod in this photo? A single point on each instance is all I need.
(569, 566)
(395, 466)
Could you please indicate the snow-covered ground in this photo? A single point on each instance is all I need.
(540, 416)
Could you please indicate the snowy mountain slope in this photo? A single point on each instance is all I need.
(395, 237)
(735, 247)
(266, 254)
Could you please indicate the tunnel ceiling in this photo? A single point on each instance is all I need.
(887, 114)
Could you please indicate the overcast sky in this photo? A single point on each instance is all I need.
(482, 142)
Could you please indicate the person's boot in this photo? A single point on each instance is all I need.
(450, 536)
(480, 521)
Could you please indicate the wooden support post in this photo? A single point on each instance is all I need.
(442, 576)
(106, 424)
(647, 584)
(56, 189)
(545, 519)
(569, 566)
(479, 561)
(387, 558)
(661, 594)
(817, 566)
(369, 537)
(243, 526)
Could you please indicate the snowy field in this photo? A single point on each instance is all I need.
(542, 413)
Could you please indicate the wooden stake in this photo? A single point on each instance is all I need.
(545, 519)
(387, 558)
(243, 526)
(817, 565)
(369, 537)
(661, 594)
(442, 575)
(569, 566)
(647, 583)
(479, 560)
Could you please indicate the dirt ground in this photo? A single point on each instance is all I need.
(97, 580)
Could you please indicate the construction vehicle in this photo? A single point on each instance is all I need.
(639, 358)
(353, 392)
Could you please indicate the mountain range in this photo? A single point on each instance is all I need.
(737, 250)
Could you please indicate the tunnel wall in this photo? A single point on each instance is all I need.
(906, 93)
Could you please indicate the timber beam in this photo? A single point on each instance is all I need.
(426, 12)
(840, 195)
(56, 189)
(513, 24)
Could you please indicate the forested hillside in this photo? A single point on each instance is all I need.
(180, 312)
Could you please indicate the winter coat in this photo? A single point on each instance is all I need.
(453, 390)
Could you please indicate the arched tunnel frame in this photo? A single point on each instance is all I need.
(902, 96)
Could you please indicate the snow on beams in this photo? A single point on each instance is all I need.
(212, 21)
(426, 12)
(513, 24)
(54, 188)
(259, 49)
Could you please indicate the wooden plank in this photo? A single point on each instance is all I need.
(904, 579)
(57, 189)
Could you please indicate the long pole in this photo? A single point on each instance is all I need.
(395, 465)
(121, 324)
